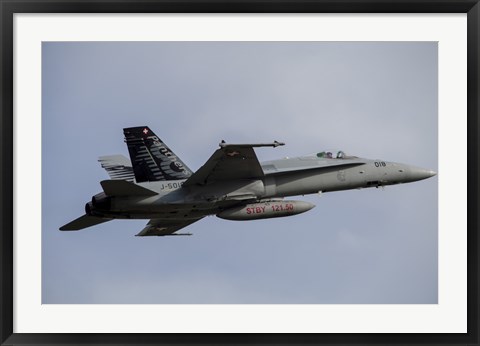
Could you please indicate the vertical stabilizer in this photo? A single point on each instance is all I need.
(152, 160)
(118, 167)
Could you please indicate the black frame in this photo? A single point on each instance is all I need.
(9, 7)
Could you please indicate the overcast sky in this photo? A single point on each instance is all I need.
(373, 100)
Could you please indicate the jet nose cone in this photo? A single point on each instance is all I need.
(417, 173)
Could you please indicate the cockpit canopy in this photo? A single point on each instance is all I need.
(333, 154)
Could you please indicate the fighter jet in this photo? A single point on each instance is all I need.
(233, 185)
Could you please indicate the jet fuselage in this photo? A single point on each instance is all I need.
(291, 177)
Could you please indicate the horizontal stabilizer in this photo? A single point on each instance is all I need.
(83, 222)
(124, 188)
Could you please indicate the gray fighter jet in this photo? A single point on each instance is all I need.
(232, 184)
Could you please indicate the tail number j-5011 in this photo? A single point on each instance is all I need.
(171, 186)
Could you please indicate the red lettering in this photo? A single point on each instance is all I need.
(249, 210)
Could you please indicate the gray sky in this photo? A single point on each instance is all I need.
(374, 100)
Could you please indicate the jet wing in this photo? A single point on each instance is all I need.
(163, 227)
(232, 161)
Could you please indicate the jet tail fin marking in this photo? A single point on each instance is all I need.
(82, 222)
(124, 188)
(152, 160)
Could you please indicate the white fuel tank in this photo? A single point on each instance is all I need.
(265, 210)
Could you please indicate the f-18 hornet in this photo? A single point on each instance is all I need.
(156, 184)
